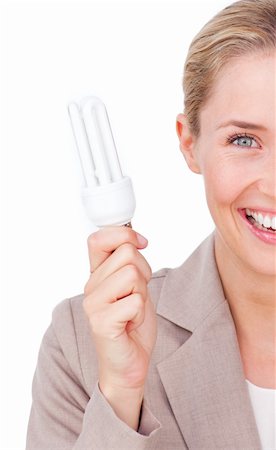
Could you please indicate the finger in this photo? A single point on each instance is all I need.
(120, 284)
(104, 241)
(122, 256)
(111, 322)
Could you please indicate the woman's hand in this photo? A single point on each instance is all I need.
(121, 315)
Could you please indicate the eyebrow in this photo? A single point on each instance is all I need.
(242, 124)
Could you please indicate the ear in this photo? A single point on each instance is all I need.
(187, 143)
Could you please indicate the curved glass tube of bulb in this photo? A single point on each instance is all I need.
(95, 143)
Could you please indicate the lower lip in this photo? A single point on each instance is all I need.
(265, 236)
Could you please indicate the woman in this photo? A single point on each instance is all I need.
(184, 357)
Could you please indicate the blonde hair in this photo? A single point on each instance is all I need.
(243, 27)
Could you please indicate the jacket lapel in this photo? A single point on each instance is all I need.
(203, 378)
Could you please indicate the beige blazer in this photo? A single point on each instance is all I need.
(196, 396)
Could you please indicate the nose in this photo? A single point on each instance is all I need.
(267, 176)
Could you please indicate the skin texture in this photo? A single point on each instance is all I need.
(239, 176)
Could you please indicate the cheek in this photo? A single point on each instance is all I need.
(225, 180)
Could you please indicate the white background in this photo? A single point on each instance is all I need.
(130, 54)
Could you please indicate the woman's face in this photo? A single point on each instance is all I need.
(238, 161)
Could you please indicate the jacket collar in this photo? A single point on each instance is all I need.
(203, 378)
(194, 288)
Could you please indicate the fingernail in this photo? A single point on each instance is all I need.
(141, 239)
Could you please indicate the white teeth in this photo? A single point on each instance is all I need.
(260, 218)
(266, 221)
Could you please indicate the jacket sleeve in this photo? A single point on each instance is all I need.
(63, 416)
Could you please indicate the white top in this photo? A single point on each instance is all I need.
(264, 406)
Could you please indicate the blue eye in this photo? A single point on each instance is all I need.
(242, 140)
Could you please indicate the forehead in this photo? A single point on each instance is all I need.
(244, 89)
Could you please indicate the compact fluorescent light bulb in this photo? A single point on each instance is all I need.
(107, 195)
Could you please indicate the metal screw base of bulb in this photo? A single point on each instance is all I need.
(128, 225)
